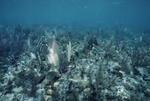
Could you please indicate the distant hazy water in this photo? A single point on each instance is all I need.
(130, 13)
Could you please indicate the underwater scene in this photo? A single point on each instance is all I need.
(74, 50)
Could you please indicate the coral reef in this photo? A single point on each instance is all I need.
(70, 63)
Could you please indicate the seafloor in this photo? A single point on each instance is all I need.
(74, 63)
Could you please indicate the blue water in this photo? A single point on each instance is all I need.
(130, 13)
